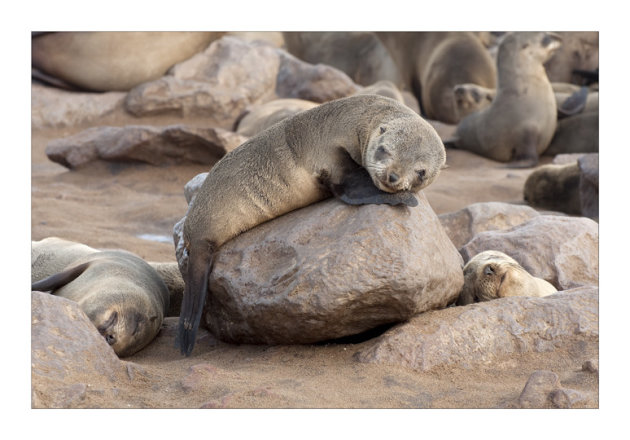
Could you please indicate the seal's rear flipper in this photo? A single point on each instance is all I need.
(59, 279)
(357, 188)
(199, 267)
(575, 103)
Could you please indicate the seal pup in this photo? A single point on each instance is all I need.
(519, 124)
(470, 98)
(120, 293)
(576, 134)
(362, 149)
(492, 274)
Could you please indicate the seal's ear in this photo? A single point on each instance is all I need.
(551, 40)
(59, 279)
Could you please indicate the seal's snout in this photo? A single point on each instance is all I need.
(393, 177)
(110, 339)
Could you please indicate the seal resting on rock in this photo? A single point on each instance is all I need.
(363, 149)
(120, 293)
(492, 274)
(519, 124)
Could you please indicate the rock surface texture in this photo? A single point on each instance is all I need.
(488, 332)
(331, 270)
(220, 82)
(66, 351)
(461, 226)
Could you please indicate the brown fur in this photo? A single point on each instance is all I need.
(520, 122)
(104, 61)
(295, 163)
(554, 187)
(580, 50)
(120, 293)
(492, 274)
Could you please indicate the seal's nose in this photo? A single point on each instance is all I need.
(393, 177)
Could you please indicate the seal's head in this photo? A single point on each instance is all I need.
(470, 98)
(489, 275)
(534, 46)
(405, 154)
(124, 326)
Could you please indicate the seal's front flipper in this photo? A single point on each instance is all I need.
(357, 188)
(575, 103)
(195, 292)
(59, 279)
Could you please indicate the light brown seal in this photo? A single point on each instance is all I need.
(492, 274)
(579, 51)
(121, 294)
(105, 61)
(362, 149)
(471, 98)
(519, 124)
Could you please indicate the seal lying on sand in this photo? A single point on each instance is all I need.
(362, 149)
(123, 296)
(492, 274)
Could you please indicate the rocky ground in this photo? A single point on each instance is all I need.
(508, 353)
(134, 207)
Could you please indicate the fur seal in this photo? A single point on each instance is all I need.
(579, 51)
(432, 63)
(471, 98)
(360, 55)
(106, 61)
(123, 295)
(519, 124)
(492, 274)
(362, 149)
(554, 187)
(576, 134)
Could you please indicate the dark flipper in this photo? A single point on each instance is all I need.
(575, 103)
(358, 189)
(195, 292)
(59, 279)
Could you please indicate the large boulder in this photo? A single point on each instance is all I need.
(330, 270)
(461, 226)
(489, 332)
(232, 74)
(70, 361)
(137, 143)
(561, 250)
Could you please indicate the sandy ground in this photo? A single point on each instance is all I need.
(134, 207)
